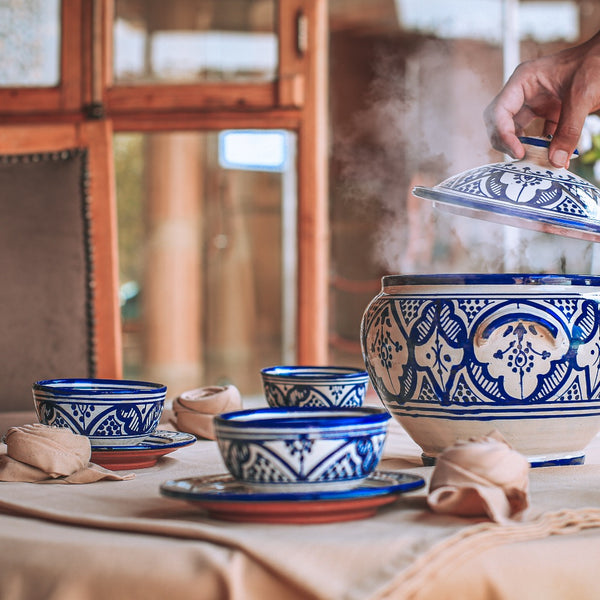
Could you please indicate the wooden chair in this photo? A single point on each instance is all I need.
(59, 308)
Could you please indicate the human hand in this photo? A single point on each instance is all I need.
(562, 89)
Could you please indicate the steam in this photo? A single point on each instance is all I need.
(377, 148)
(422, 123)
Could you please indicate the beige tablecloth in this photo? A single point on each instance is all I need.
(123, 540)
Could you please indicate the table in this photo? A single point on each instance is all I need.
(124, 540)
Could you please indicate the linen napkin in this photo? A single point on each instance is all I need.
(482, 477)
(41, 453)
(194, 410)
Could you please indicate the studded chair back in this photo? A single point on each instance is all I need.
(58, 292)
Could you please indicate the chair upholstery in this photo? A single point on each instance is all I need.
(58, 290)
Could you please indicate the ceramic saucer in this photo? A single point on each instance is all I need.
(222, 497)
(142, 455)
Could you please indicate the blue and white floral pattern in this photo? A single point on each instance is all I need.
(300, 461)
(503, 349)
(99, 422)
(513, 183)
(546, 198)
(311, 387)
(108, 412)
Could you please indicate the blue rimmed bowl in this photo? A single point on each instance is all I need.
(454, 356)
(325, 386)
(302, 449)
(109, 412)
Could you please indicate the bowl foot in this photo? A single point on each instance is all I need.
(535, 461)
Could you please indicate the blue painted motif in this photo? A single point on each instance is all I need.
(100, 421)
(530, 188)
(107, 411)
(489, 349)
(313, 387)
(513, 183)
(302, 460)
(298, 447)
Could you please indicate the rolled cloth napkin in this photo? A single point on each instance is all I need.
(41, 453)
(194, 410)
(480, 477)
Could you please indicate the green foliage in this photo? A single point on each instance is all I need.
(593, 154)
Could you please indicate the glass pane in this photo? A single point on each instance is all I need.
(187, 41)
(29, 43)
(207, 257)
(539, 20)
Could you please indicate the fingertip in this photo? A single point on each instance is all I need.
(507, 144)
(518, 150)
(567, 134)
(560, 152)
(514, 148)
(559, 158)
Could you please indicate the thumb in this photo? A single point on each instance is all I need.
(566, 136)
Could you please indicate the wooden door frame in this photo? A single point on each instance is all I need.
(63, 102)
(296, 100)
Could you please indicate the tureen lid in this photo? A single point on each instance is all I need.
(529, 193)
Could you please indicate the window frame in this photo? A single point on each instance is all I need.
(296, 100)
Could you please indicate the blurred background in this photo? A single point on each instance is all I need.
(209, 214)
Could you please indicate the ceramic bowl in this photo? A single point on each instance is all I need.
(109, 412)
(529, 193)
(301, 449)
(456, 356)
(328, 387)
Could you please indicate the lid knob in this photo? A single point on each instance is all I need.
(536, 151)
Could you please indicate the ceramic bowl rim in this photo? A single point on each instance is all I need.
(315, 417)
(529, 279)
(83, 385)
(313, 372)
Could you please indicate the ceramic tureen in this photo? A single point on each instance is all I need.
(455, 356)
